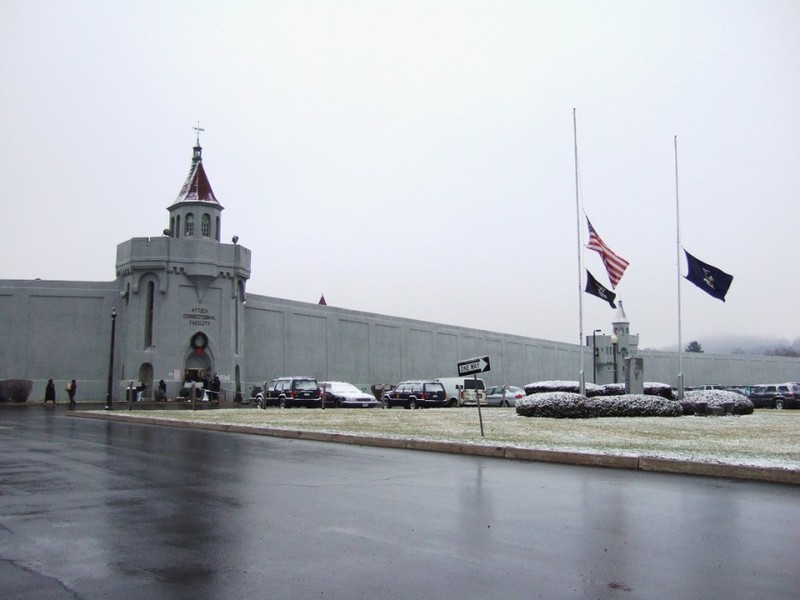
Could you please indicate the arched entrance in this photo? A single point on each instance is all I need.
(146, 377)
(237, 397)
(198, 367)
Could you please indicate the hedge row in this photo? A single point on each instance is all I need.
(592, 390)
(569, 405)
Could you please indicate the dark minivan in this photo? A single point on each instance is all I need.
(416, 394)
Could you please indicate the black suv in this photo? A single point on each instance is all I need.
(292, 391)
(416, 394)
(779, 395)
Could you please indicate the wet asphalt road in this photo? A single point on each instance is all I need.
(95, 509)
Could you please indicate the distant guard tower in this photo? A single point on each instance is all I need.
(610, 351)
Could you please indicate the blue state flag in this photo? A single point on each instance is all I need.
(711, 280)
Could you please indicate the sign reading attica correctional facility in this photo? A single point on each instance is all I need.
(199, 316)
(474, 365)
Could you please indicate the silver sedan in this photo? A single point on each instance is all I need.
(503, 395)
(341, 394)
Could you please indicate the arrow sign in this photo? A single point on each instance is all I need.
(474, 365)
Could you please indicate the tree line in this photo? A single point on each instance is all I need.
(781, 350)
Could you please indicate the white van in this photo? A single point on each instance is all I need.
(463, 390)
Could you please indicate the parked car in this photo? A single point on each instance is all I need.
(778, 395)
(340, 394)
(292, 391)
(504, 395)
(696, 388)
(463, 390)
(744, 390)
(416, 394)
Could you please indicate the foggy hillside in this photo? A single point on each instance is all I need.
(738, 344)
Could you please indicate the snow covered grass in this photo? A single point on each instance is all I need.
(764, 438)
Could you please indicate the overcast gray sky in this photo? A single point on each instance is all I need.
(417, 159)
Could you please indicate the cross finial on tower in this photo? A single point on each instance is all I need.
(198, 129)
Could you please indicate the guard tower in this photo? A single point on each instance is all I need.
(182, 295)
(610, 351)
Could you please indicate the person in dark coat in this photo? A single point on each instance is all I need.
(50, 392)
(72, 388)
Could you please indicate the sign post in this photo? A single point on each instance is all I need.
(473, 366)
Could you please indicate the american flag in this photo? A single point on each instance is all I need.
(615, 265)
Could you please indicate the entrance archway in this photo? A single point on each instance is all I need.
(146, 377)
(238, 393)
(198, 367)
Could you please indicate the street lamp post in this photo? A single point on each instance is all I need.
(111, 358)
(614, 340)
(594, 355)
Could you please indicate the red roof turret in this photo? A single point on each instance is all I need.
(197, 186)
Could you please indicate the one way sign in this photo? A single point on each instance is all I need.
(471, 366)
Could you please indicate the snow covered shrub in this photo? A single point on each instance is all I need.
(568, 405)
(613, 389)
(741, 403)
(637, 405)
(592, 390)
(555, 405)
(652, 388)
(15, 390)
(574, 387)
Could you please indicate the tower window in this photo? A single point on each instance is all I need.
(148, 315)
(205, 225)
(217, 231)
(189, 225)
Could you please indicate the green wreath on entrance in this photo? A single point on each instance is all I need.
(199, 342)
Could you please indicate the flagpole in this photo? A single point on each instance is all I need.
(581, 374)
(678, 268)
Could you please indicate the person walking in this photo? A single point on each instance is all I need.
(50, 392)
(72, 387)
(215, 386)
(140, 390)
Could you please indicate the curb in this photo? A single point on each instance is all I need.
(587, 459)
